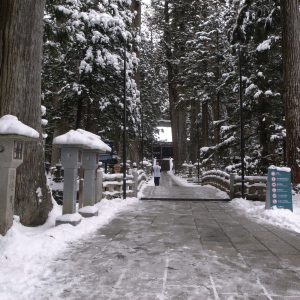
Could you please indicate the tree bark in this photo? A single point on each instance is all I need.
(177, 111)
(21, 24)
(205, 119)
(291, 82)
(195, 127)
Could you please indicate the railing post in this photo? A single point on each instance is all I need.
(99, 186)
(232, 181)
(135, 182)
(81, 183)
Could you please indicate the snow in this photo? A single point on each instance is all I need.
(82, 138)
(44, 122)
(250, 88)
(88, 209)
(43, 110)
(283, 169)
(283, 218)
(11, 125)
(265, 45)
(257, 94)
(69, 218)
(268, 93)
(95, 137)
(26, 252)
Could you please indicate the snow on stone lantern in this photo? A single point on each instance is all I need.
(13, 134)
(90, 158)
(71, 144)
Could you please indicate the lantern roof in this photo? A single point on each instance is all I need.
(12, 127)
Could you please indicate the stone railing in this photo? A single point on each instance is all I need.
(254, 186)
(113, 185)
(219, 179)
(107, 185)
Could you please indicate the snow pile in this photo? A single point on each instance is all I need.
(11, 125)
(82, 138)
(26, 252)
(279, 217)
(69, 218)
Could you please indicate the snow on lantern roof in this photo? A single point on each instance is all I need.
(83, 139)
(96, 137)
(10, 125)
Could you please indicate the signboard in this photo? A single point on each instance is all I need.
(108, 159)
(105, 157)
(279, 188)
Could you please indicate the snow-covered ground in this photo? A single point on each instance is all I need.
(25, 253)
(283, 218)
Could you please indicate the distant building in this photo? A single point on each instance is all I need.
(163, 146)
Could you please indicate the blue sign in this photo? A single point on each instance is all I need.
(279, 188)
(105, 157)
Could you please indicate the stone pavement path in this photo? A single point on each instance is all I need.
(178, 250)
(169, 190)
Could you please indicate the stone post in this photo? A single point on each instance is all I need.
(99, 186)
(81, 183)
(69, 159)
(135, 182)
(89, 164)
(232, 182)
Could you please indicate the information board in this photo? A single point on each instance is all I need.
(279, 188)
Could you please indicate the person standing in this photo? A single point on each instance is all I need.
(156, 173)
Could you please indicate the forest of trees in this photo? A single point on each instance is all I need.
(183, 59)
(203, 43)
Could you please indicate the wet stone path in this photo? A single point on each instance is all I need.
(169, 190)
(178, 250)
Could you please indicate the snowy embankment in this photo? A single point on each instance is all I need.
(283, 218)
(26, 252)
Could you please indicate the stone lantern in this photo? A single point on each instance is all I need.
(13, 134)
(90, 158)
(71, 144)
(79, 147)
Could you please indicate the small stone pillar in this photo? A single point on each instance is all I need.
(69, 159)
(232, 182)
(13, 133)
(81, 183)
(90, 165)
(99, 186)
(135, 182)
